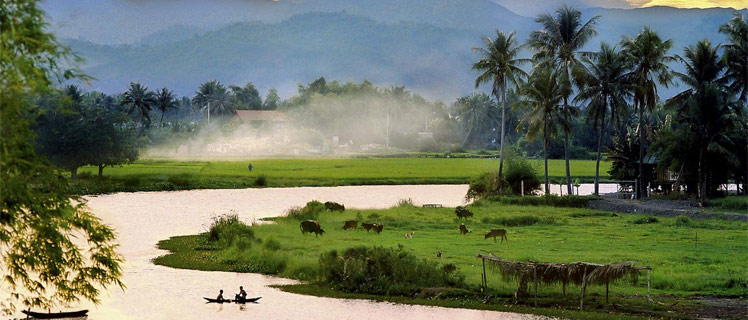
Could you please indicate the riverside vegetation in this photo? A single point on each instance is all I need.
(682, 265)
(162, 174)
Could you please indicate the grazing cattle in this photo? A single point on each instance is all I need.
(311, 226)
(368, 226)
(409, 235)
(463, 212)
(438, 254)
(334, 206)
(350, 224)
(378, 228)
(463, 229)
(501, 233)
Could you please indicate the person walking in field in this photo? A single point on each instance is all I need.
(250, 167)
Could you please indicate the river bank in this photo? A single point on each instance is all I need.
(681, 268)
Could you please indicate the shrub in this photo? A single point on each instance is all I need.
(272, 244)
(684, 221)
(547, 200)
(261, 181)
(646, 220)
(226, 228)
(379, 270)
(519, 169)
(733, 203)
(132, 182)
(519, 221)
(484, 185)
(310, 211)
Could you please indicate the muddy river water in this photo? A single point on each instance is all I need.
(155, 292)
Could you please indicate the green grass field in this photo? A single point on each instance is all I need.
(154, 174)
(682, 266)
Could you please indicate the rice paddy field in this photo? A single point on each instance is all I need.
(689, 258)
(161, 174)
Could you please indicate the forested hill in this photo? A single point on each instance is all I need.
(429, 51)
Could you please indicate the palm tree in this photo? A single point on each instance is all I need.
(703, 66)
(500, 66)
(558, 44)
(647, 57)
(606, 90)
(139, 99)
(476, 113)
(165, 101)
(214, 97)
(543, 93)
(736, 55)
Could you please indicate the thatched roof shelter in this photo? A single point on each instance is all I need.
(580, 273)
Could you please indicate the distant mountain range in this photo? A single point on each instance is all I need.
(425, 45)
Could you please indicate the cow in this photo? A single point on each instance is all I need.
(501, 233)
(334, 206)
(462, 212)
(368, 226)
(378, 228)
(409, 235)
(463, 229)
(350, 224)
(311, 226)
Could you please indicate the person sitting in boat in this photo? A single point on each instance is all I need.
(242, 295)
(220, 295)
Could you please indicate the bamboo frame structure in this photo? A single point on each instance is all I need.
(580, 273)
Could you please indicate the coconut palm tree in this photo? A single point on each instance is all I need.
(476, 113)
(214, 97)
(648, 58)
(703, 66)
(736, 55)
(499, 65)
(606, 89)
(543, 94)
(139, 99)
(165, 101)
(558, 43)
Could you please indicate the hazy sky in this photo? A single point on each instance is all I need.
(533, 7)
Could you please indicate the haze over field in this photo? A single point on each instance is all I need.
(424, 45)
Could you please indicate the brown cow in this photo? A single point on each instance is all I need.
(378, 228)
(350, 224)
(311, 226)
(334, 206)
(501, 233)
(462, 212)
(463, 229)
(368, 226)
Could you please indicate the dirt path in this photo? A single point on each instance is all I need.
(667, 208)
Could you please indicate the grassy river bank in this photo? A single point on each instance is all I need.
(684, 269)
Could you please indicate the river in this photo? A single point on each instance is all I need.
(155, 292)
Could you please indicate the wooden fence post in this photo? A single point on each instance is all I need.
(584, 287)
(649, 274)
(483, 279)
(535, 279)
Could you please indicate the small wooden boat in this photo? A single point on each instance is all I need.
(214, 300)
(246, 300)
(59, 315)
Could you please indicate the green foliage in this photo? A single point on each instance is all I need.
(41, 226)
(646, 220)
(484, 185)
(181, 180)
(520, 221)
(684, 221)
(547, 200)
(379, 270)
(228, 228)
(737, 203)
(310, 211)
(261, 180)
(519, 170)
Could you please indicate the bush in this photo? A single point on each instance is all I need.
(309, 212)
(227, 228)
(519, 169)
(484, 185)
(379, 270)
(646, 220)
(547, 200)
(132, 182)
(261, 181)
(739, 203)
(684, 221)
(519, 221)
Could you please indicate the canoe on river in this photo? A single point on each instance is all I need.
(58, 315)
(213, 300)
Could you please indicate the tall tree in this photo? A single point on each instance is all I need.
(558, 44)
(648, 60)
(138, 99)
(606, 89)
(736, 55)
(165, 101)
(247, 97)
(272, 100)
(214, 97)
(500, 66)
(43, 264)
(476, 114)
(543, 94)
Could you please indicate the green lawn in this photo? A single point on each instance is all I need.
(154, 174)
(715, 265)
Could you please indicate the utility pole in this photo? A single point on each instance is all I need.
(208, 107)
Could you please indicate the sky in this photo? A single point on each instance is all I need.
(534, 7)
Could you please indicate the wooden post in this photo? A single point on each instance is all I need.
(483, 279)
(535, 279)
(522, 182)
(606, 292)
(563, 289)
(584, 287)
(649, 274)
